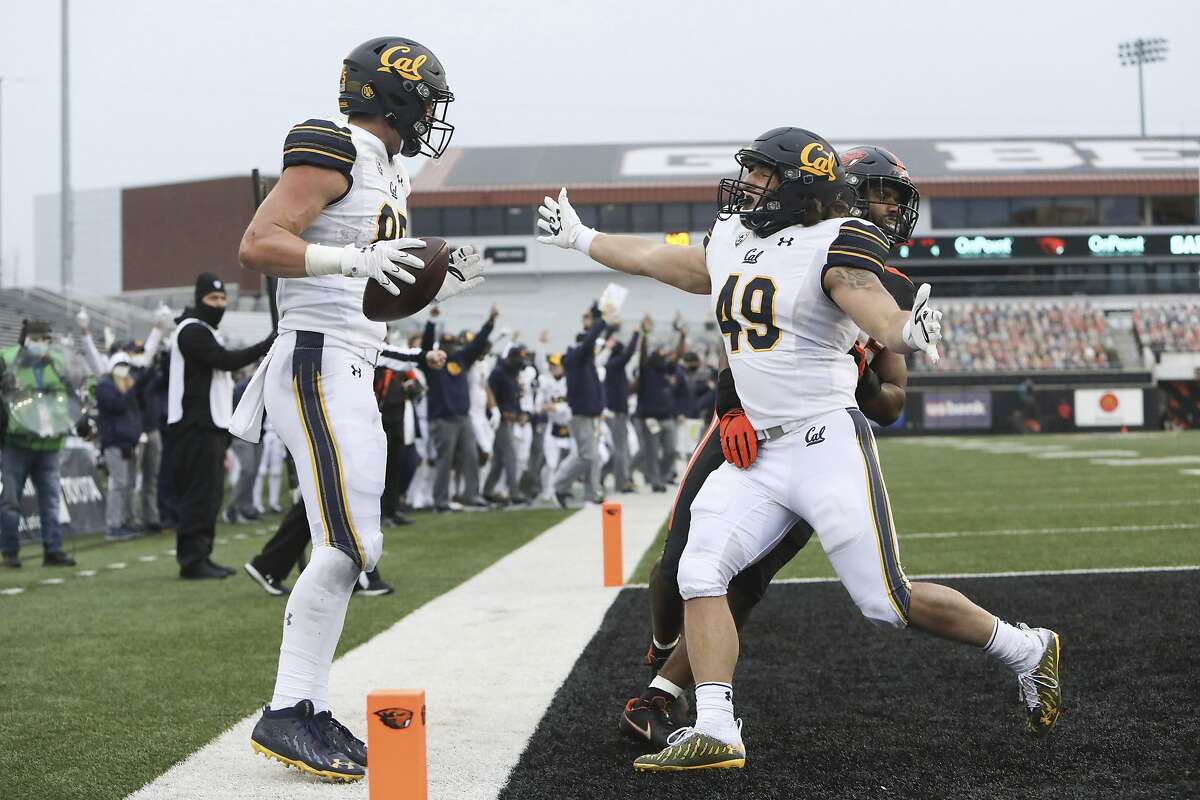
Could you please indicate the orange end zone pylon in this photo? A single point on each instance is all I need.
(396, 745)
(614, 572)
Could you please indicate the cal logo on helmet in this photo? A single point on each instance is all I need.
(815, 160)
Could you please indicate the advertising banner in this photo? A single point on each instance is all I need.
(1101, 408)
(81, 506)
(950, 410)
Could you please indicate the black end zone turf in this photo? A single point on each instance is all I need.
(835, 708)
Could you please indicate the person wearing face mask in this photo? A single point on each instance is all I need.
(35, 388)
(505, 387)
(199, 409)
(120, 423)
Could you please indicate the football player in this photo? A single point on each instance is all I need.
(886, 195)
(337, 219)
(794, 278)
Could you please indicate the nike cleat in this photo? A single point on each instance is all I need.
(293, 737)
(689, 749)
(1040, 690)
(650, 721)
(341, 738)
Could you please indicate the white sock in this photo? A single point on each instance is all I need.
(714, 711)
(316, 611)
(662, 646)
(665, 685)
(1018, 649)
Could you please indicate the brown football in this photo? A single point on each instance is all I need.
(380, 305)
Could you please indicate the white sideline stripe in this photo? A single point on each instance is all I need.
(1190, 471)
(1088, 453)
(490, 655)
(1147, 462)
(1174, 526)
(1059, 506)
(1033, 573)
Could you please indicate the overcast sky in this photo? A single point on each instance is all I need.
(164, 91)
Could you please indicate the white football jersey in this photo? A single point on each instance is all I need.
(786, 340)
(374, 208)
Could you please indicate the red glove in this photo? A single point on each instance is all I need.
(739, 443)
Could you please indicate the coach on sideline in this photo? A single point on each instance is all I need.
(199, 407)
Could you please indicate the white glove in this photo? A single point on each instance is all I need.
(464, 273)
(163, 314)
(83, 319)
(562, 225)
(924, 327)
(382, 262)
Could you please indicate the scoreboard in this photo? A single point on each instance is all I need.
(1069, 246)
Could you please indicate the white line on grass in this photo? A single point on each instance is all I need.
(1088, 454)
(86, 573)
(1147, 462)
(117, 565)
(13, 590)
(52, 582)
(1176, 526)
(490, 655)
(147, 559)
(1189, 471)
(1190, 501)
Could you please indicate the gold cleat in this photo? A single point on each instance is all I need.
(1040, 689)
(329, 775)
(689, 749)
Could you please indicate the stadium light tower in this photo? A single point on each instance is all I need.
(1136, 53)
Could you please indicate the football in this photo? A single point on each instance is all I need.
(380, 305)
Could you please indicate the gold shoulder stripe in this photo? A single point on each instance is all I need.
(850, 228)
(325, 153)
(330, 131)
(863, 256)
(863, 235)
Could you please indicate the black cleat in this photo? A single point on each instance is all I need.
(57, 559)
(370, 584)
(13, 561)
(341, 738)
(202, 572)
(294, 737)
(268, 583)
(649, 721)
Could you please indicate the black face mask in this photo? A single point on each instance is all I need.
(209, 314)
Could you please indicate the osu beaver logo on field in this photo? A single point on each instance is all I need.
(395, 718)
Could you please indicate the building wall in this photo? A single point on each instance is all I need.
(98, 245)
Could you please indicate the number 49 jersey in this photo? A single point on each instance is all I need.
(374, 207)
(788, 343)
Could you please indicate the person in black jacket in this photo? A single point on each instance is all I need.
(199, 408)
(616, 400)
(654, 419)
(585, 396)
(448, 401)
(505, 389)
(120, 423)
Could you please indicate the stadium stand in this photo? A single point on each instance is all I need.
(1168, 327)
(125, 320)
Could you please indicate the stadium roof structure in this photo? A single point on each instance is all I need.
(680, 172)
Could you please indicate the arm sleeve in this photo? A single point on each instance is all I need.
(321, 143)
(92, 355)
(623, 359)
(727, 396)
(401, 360)
(469, 354)
(859, 245)
(428, 335)
(586, 345)
(197, 342)
(153, 341)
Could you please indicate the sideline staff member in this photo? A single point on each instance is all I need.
(199, 407)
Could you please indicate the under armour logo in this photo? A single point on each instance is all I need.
(356, 370)
(288, 620)
(729, 697)
(788, 241)
(814, 436)
(752, 256)
(341, 763)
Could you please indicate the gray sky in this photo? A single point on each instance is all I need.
(165, 91)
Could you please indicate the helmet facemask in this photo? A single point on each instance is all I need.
(907, 206)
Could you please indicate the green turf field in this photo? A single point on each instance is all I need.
(109, 680)
(975, 510)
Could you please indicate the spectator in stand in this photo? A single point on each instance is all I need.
(120, 423)
(585, 396)
(503, 383)
(1168, 327)
(449, 408)
(35, 386)
(616, 400)
(654, 419)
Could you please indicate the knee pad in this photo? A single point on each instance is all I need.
(700, 577)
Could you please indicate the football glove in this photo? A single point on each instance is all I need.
(924, 327)
(464, 273)
(562, 226)
(382, 262)
(83, 319)
(739, 442)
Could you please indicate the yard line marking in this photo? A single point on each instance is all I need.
(1147, 462)
(86, 573)
(117, 565)
(1033, 573)
(53, 581)
(239, 536)
(170, 552)
(1175, 526)
(222, 540)
(1089, 454)
(1189, 471)
(147, 559)
(12, 591)
(1056, 506)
